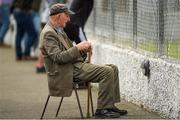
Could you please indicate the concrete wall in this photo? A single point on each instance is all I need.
(160, 93)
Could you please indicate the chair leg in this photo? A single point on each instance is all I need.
(45, 106)
(59, 106)
(88, 100)
(74, 85)
(90, 93)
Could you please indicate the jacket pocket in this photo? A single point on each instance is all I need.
(51, 67)
(52, 73)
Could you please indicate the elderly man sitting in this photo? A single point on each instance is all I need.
(64, 63)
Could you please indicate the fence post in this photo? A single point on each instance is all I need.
(113, 19)
(94, 19)
(135, 23)
(161, 28)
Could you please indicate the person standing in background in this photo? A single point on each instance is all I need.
(75, 28)
(36, 22)
(5, 6)
(24, 19)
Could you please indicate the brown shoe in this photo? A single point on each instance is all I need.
(2, 45)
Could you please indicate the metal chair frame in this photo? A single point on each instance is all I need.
(89, 101)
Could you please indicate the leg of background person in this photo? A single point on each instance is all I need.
(32, 35)
(72, 31)
(0, 17)
(26, 37)
(19, 34)
(5, 22)
(28, 45)
(37, 25)
(82, 34)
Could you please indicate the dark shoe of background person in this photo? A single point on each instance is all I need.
(117, 110)
(106, 113)
(40, 69)
(1, 44)
(18, 59)
(29, 58)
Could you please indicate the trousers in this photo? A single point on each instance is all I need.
(5, 21)
(24, 26)
(108, 79)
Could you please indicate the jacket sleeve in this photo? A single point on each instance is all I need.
(55, 51)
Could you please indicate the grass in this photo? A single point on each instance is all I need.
(172, 49)
(148, 46)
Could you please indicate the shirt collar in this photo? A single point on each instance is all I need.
(59, 29)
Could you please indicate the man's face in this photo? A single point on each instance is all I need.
(63, 19)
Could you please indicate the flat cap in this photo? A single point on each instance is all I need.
(59, 8)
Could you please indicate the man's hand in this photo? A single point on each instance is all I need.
(84, 46)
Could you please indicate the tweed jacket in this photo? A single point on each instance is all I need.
(59, 57)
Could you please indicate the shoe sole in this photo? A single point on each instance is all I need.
(105, 117)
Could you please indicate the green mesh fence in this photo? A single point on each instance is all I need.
(149, 26)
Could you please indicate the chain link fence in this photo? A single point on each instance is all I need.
(149, 26)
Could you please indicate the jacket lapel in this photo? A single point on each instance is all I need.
(63, 41)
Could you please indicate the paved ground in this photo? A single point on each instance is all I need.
(23, 94)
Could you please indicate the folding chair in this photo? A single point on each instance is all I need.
(89, 101)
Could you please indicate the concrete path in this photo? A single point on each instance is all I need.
(23, 94)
